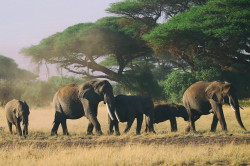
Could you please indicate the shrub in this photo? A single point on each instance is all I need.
(176, 84)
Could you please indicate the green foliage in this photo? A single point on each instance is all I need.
(142, 82)
(109, 61)
(217, 31)
(36, 93)
(9, 70)
(244, 103)
(205, 70)
(176, 84)
(9, 91)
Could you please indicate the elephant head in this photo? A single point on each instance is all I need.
(224, 92)
(96, 91)
(180, 111)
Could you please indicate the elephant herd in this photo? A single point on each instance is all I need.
(74, 101)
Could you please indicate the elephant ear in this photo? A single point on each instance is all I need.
(88, 94)
(16, 112)
(99, 86)
(26, 107)
(214, 92)
(226, 88)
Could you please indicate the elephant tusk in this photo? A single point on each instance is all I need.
(230, 102)
(232, 108)
(109, 112)
(117, 116)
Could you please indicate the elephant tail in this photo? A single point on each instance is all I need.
(58, 113)
(187, 105)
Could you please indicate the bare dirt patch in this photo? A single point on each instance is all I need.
(119, 142)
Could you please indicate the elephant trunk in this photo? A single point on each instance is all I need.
(233, 101)
(25, 125)
(110, 103)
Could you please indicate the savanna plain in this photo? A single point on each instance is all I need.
(163, 148)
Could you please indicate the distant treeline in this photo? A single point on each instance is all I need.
(40, 93)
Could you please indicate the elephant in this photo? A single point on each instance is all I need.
(74, 101)
(165, 111)
(127, 109)
(16, 112)
(203, 98)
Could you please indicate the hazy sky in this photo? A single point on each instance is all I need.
(25, 22)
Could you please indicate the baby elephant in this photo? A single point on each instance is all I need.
(17, 112)
(163, 112)
(129, 108)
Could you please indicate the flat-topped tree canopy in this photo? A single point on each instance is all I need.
(218, 31)
(84, 45)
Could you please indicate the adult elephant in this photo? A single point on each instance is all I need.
(16, 112)
(203, 98)
(74, 101)
(130, 107)
(166, 111)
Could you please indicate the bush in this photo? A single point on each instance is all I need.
(142, 82)
(9, 91)
(37, 93)
(176, 84)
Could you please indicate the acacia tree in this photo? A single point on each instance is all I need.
(143, 15)
(217, 31)
(80, 49)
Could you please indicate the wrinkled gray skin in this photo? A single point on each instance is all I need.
(203, 98)
(165, 111)
(129, 108)
(17, 112)
(75, 101)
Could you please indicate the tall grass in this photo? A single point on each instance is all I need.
(127, 155)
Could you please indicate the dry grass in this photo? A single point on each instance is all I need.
(128, 155)
(42, 149)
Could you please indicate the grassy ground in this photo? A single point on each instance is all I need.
(164, 148)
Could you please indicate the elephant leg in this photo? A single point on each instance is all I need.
(96, 124)
(191, 126)
(188, 128)
(56, 123)
(18, 128)
(214, 123)
(116, 124)
(90, 129)
(139, 124)
(221, 118)
(129, 124)
(146, 129)
(10, 127)
(111, 125)
(150, 124)
(220, 115)
(173, 124)
(25, 130)
(91, 114)
(64, 127)
(146, 125)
